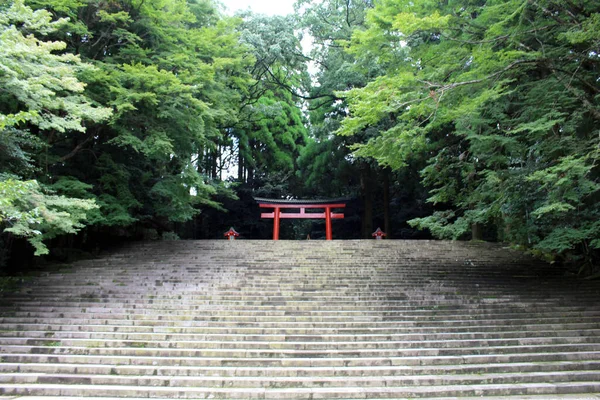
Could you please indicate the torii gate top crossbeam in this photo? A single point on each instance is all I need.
(302, 205)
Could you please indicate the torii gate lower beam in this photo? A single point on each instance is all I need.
(277, 215)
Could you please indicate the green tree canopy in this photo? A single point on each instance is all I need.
(502, 98)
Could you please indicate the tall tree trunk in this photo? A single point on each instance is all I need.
(250, 164)
(221, 163)
(250, 173)
(200, 162)
(214, 161)
(240, 167)
(476, 231)
(366, 185)
(387, 221)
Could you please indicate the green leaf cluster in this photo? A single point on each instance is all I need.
(26, 210)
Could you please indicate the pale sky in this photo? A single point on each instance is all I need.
(269, 7)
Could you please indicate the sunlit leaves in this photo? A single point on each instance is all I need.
(26, 210)
(38, 78)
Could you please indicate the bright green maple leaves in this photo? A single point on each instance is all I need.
(40, 89)
(41, 83)
(29, 211)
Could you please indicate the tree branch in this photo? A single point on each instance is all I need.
(444, 87)
(293, 92)
(588, 105)
(77, 148)
(496, 39)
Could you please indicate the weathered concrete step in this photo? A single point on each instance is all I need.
(224, 319)
(305, 276)
(201, 294)
(300, 382)
(410, 299)
(299, 393)
(140, 313)
(280, 310)
(249, 261)
(204, 361)
(316, 250)
(372, 256)
(296, 279)
(405, 250)
(196, 288)
(321, 272)
(417, 351)
(400, 302)
(294, 331)
(305, 280)
(227, 257)
(284, 324)
(324, 264)
(336, 268)
(254, 371)
(296, 345)
(422, 336)
(586, 396)
(304, 300)
(381, 309)
(555, 357)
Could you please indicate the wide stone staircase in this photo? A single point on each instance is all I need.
(302, 320)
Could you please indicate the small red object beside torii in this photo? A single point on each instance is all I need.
(278, 204)
(231, 234)
(378, 234)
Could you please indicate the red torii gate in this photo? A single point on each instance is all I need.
(278, 204)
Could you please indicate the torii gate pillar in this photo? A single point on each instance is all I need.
(277, 214)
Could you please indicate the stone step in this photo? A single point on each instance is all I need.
(272, 382)
(248, 361)
(298, 297)
(140, 349)
(274, 310)
(227, 284)
(241, 264)
(294, 331)
(315, 274)
(298, 325)
(297, 393)
(386, 345)
(198, 292)
(587, 396)
(282, 303)
(418, 296)
(422, 336)
(297, 317)
(151, 370)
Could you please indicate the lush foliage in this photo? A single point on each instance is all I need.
(465, 118)
(141, 108)
(41, 96)
(501, 98)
